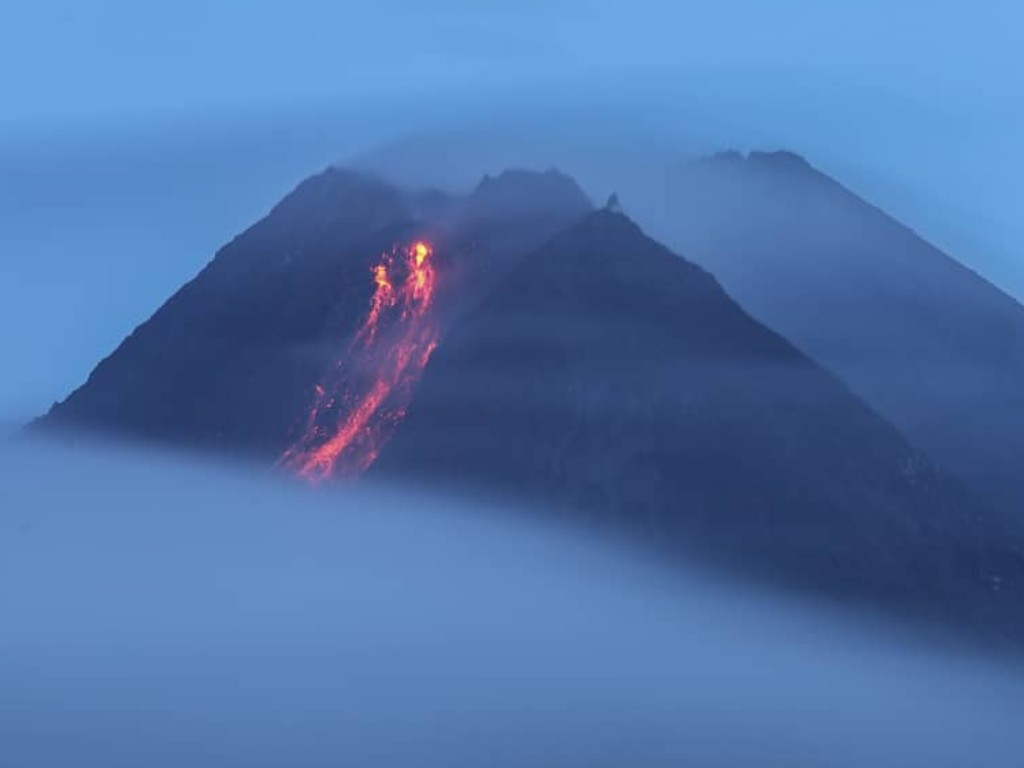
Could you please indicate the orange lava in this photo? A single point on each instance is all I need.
(360, 402)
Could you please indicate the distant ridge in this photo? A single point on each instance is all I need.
(932, 346)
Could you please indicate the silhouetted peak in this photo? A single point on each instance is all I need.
(781, 159)
(602, 231)
(335, 188)
(613, 204)
(334, 180)
(610, 222)
(518, 192)
(778, 160)
(608, 243)
(764, 168)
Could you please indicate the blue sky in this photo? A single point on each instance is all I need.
(177, 124)
(111, 58)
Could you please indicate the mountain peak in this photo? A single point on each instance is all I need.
(518, 191)
(332, 182)
(339, 194)
(608, 230)
(780, 160)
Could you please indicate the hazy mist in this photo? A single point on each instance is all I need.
(162, 613)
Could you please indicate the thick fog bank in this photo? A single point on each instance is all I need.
(165, 614)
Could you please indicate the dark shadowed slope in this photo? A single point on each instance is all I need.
(608, 375)
(226, 363)
(231, 361)
(933, 347)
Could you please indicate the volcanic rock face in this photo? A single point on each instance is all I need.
(927, 343)
(234, 361)
(227, 362)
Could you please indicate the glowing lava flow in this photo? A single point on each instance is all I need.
(363, 398)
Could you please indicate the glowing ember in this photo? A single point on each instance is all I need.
(421, 250)
(364, 396)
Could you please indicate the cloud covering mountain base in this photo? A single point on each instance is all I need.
(162, 613)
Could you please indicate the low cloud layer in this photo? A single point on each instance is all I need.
(166, 614)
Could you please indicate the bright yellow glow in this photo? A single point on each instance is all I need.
(420, 251)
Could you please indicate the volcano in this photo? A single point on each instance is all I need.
(515, 340)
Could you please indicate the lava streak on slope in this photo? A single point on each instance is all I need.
(362, 399)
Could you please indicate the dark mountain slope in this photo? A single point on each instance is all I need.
(222, 364)
(230, 361)
(608, 375)
(933, 347)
